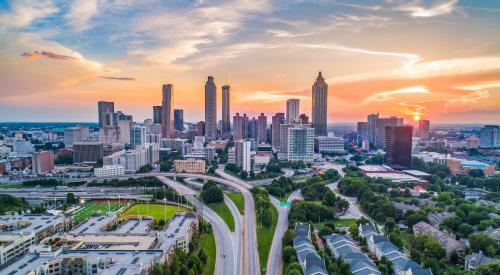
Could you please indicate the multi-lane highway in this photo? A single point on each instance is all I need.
(275, 261)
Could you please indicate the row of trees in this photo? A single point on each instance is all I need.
(145, 181)
(211, 193)
(280, 187)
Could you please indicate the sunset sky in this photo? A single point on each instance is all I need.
(440, 59)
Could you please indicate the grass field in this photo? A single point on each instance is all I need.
(208, 246)
(238, 200)
(98, 208)
(157, 211)
(265, 237)
(345, 222)
(223, 211)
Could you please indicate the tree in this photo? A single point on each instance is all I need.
(145, 168)
(476, 173)
(489, 269)
(426, 250)
(243, 174)
(329, 198)
(165, 166)
(465, 229)
(288, 252)
(211, 193)
(71, 199)
(390, 224)
(480, 241)
(325, 231)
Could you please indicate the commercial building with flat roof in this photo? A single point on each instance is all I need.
(190, 166)
(87, 152)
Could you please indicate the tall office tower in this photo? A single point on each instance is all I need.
(423, 129)
(42, 161)
(489, 137)
(252, 128)
(226, 110)
(137, 136)
(157, 114)
(292, 110)
(300, 143)
(75, 134)
(200, 128)
(319, 105)
(262, 128)
(240, 126)
(398, 146)
(304, 119)
(284, 139)
(380, 130)
(105, 111)
(362, 131)
(124, 131)
(242, 153)
(166, 110)
(371, 127)
(210, 109)
(277, 120)
(179, 119)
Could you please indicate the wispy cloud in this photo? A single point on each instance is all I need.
(80, 13)
(25, 12)
(44, 54)
(416, 9)
(384, 96)
(118, 78)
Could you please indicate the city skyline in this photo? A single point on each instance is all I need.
(75, 55)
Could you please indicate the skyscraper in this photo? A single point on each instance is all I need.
(489, 136)
(179, 119)
(137, 136)
(157, 114)
(166, 110)
(262, 128)
(362, 131)
(382, 123)
(42, 161)
(105, 111)
(242, 152)
(75, 134)
(319, 105)
(226, 110)
(304, 119)
(277, 120)
(371, 127)
(210, 109)
(292, 110)
(423, 129)
(240, 126)
(398, 146)
(300, 143)
(252, 128)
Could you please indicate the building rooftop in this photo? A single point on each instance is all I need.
(93, 225)
(16, 224)
(394, 177)
(416, 173)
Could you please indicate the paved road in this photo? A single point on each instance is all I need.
(238, 230)
(225, 262)
(251, 265)
(275, 261)
(354, 211)
(287, 173)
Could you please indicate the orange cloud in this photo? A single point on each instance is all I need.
(43, 54)
(118, 78)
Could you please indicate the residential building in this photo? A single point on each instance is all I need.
(489, 136)
(226, 110)
(449, 243)
(398, 141)
(319, 106)
(402, 208)
(329, 144)
(475, 260)
(423, 129)
(292, 110)
(137, 136)
(179, 120)
(75, 134)
(166, 110)
(277, 120)
(174, 144)
(252, 129)
(131, 160)
(105, 113)
(210, 109)
(157, 114)
(240, 126)
(87, 152)
(300, 143)
(366, 230)
(190, 166)
(42, 162)
(109, 171)
(124, 126)
(309, 259)
(435, 219)
(362, 131)
(371, 124)
(262, 128)
(242, 150)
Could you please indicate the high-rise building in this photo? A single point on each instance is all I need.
(124, 131)
(329, 144)
(240, 126)
(262, 128)
(179, 119)
(398, 146)
(105, 112)
(319, 105)
(252, 129)
(300, 143)
(382, 123)
(210, 109)
(157, 114)
(277, 120)
(304, 119)
(75, 134)
(42, 162)
(423, 129)
(362, 131)
(292, 110)
(137, 136)
(200, 128)
(226, 110)
(166, 110)
(109, 135)
(87, 152)
(371, 127)
(489, 136)
(242, 150)
(284, 139)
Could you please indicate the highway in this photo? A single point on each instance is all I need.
(238, 230)
(226, 262)
(275, 261)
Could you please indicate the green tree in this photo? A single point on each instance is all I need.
(489, 269)
(71, 199)
(288, 252)
(480, 241)
(211, 193)
(329, 198)
(390, 224)
(243, 174)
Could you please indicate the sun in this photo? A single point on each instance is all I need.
(416, 117)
